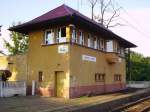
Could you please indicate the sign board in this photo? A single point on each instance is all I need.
(63, 49)
(88, 58)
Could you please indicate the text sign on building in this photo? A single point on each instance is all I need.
(88, 58)
(62, 49)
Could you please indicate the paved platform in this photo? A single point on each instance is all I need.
(46, 104)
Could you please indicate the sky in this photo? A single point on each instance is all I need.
(135, 16)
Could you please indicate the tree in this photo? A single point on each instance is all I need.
(107, 14)
(92, 5)
(140, 67)
(19, 43)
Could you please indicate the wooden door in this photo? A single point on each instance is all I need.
(60, 81)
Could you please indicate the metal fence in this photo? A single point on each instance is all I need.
(12, 88)
(138, 84)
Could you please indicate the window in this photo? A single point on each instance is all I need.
(102, 44)
(57, 35)
(49, 37)
(116, 46)
(117, 77)
(122, 52)
(95, 43)
(89, 40)
(109, 46)
(40, 76)
(81, 38)
(63, 32)
(99, 77)
(74, 36)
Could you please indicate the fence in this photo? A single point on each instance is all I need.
(12, 88)
(138, 84)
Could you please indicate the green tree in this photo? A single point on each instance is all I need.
(140, 67)
(19, 43)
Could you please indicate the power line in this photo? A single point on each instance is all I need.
(131, 25)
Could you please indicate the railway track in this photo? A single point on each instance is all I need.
(142, 105)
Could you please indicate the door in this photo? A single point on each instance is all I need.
(59, 84)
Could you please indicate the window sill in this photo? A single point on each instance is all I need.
(54, 44)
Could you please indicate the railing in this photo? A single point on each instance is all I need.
(138, 84)
(12, 88)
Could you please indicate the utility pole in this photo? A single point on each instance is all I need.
(129, 64)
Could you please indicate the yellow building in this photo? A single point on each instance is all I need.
(17, 65)
(71, 55)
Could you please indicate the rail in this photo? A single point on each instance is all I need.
(144, 108)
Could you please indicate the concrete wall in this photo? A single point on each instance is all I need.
(83, 72)
(48, 60)
(17, 65)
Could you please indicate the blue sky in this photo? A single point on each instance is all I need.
(24, 10)
(138, 14)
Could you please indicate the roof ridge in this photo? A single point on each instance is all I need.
(67, 9)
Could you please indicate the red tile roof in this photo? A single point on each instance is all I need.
(65, 11)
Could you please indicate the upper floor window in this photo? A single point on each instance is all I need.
(116, 47)
(74, 35)
(49, 37)
(62, 34)
(81, 38)
(95, 42)
(122, 51)
(90, 41)
(102, 44)
(98, 43)
(109, 46)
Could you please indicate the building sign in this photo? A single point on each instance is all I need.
(88, 58)
(62, 49)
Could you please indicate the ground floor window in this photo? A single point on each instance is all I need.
(117, 77)
(40, 77)
(99, 77)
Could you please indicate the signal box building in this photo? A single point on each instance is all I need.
(71, 55)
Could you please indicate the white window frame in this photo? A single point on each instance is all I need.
(109, 46)
(74, 35)
(98, 43)
(61, 39)
(115, 46)
(102, 44)
(89, 40)
(81, 37)
(95, 42)
(45, 37)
